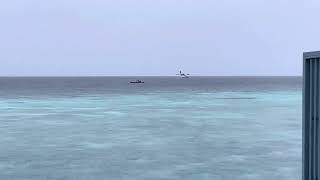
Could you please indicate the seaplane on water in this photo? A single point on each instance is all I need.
(183, 75)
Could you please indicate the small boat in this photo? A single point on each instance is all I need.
(183, 75)
(137, 82)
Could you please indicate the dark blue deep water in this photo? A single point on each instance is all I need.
(103, 128)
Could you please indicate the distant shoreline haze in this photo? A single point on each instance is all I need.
(151, 76)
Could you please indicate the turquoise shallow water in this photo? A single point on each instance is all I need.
(177, 131)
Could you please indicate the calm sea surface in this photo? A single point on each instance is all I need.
(103, 128)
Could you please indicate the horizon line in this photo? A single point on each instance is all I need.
(154, 76)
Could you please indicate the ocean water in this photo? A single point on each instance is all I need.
(103, 128)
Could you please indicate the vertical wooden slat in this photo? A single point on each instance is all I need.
(317, 118)
(314, 84)
(314, 133)
(313, 116)
(306, 95)
(310, 121)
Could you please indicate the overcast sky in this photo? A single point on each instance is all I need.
(156, 37)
